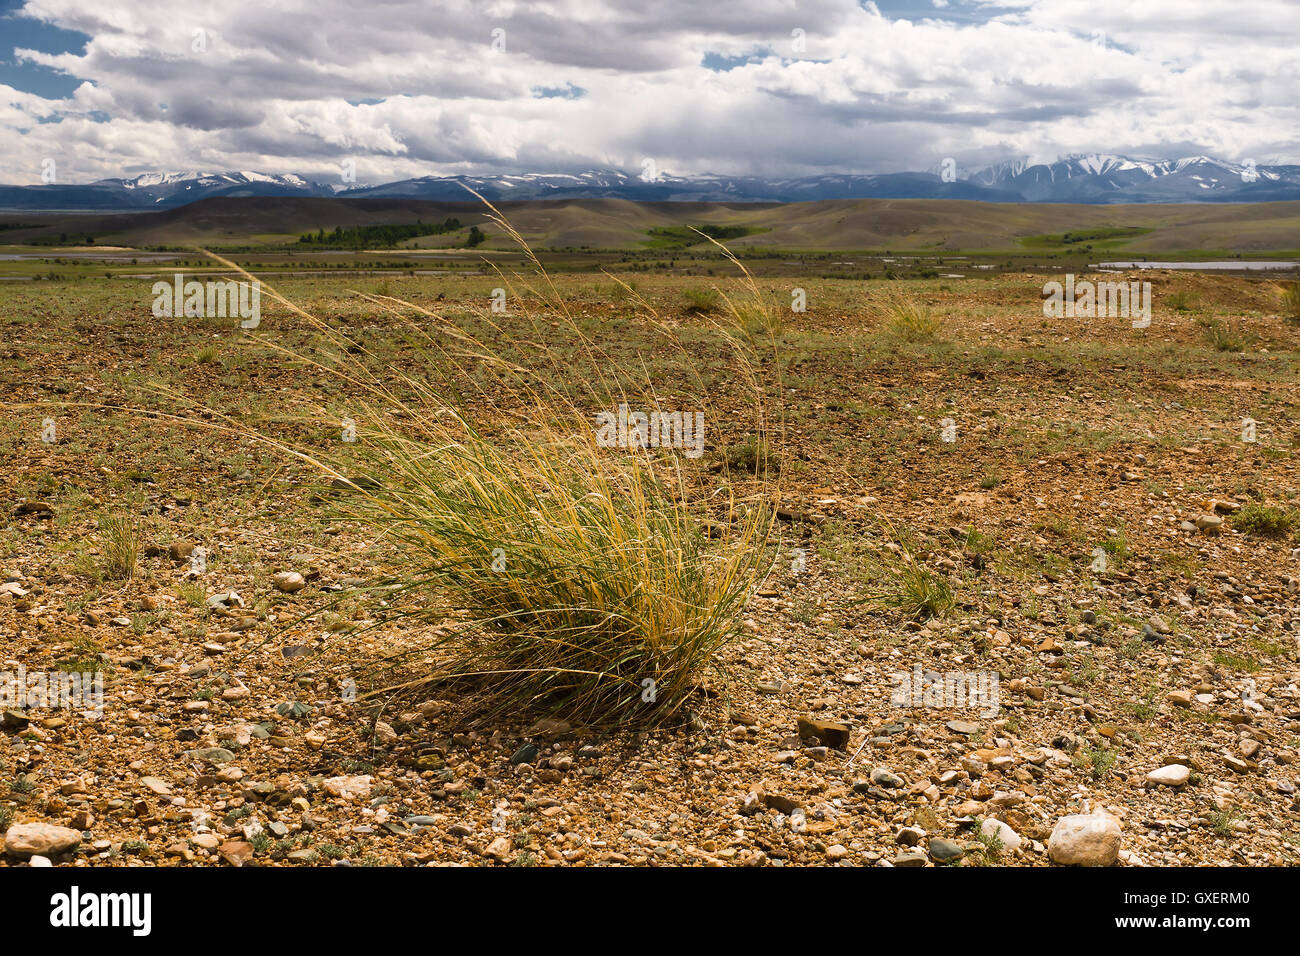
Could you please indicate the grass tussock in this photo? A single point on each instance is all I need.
(558, 572)
(900, 581)
(907, 320)
(120, 543)
(1291, 301)
(701, 302)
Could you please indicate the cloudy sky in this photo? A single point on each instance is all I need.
(405, 88)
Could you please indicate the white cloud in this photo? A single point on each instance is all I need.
(270, 89)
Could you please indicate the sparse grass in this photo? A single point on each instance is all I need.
(1267, 521)
(898, 580)
(1223, 821)
(1184, 301)
(192, 593)
(1291, 301)
(702, 301)
(908, 320)
(757, 318)
(1235, 662)
(1226, 337)
(208, 355)
(753, 456)
(1116, 548)
(120, 542)
(1146, 708)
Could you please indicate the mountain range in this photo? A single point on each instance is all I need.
(1087, 178)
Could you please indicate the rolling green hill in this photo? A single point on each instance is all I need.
(935, 225)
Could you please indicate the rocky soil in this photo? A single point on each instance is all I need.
(1085, 516)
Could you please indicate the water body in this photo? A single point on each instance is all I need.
(97, 256)
(1228, 265)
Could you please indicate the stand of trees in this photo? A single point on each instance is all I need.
(360, 237)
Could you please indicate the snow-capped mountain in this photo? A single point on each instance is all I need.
(172, 189)
(615, 184)
(1084, 178)
(1102, 178)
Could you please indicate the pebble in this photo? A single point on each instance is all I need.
(945, 851)
(289, 581)
(886, 778)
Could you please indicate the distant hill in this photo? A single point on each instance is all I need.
(874, 224)
(1092, 178)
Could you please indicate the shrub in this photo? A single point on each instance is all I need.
(1265, 520)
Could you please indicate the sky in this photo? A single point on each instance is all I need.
(405, 88)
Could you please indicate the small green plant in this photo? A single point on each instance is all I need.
(1267, 521)
(208, 355)
(1235, 662)
(1223, 821)
(191, 593)
(1145, 708)
(1184, 301)
(902, 582)
(990, 843)
(1098, 761)
(1224, 337)
(1116, 547)
(753, 456)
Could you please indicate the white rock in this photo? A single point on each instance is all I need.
(1008, 837)
(289, 581)
(350, 788)
(31, 839)
(1174, 775)
(1085, 840)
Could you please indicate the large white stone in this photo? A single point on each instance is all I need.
(1174, 775)
(1008, 837)
(1085, 840)
(44, 839)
